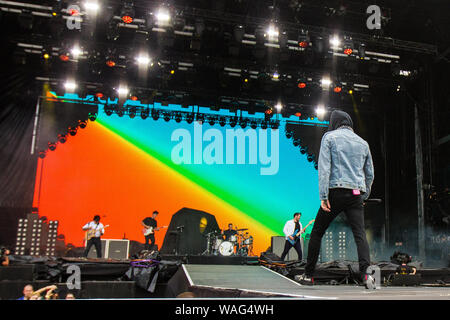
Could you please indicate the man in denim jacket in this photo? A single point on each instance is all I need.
(345, 179)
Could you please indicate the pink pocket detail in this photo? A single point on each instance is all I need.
(356, 192)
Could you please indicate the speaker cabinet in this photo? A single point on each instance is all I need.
(112, 249)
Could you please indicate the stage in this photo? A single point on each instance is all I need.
(212, 277)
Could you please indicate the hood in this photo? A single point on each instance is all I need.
(339, 118)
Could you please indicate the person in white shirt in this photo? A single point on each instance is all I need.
(97, 229)
(292, 228)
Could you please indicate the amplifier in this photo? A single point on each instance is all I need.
(112, 249)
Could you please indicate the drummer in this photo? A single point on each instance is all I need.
(229, 232)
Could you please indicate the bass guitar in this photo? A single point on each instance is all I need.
(297, 233)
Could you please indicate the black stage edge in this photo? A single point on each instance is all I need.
(211, 259)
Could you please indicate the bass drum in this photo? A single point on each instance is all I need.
(226, 248)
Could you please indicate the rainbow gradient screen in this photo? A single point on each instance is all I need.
(123, 169)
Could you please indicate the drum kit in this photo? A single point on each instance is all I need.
(239, 244)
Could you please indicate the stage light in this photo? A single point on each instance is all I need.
(110, 63)
(303, 149)
(143, 60)
(127, 19)
(301, 85)
(76, 51)
(70, 85)
(222, 121)
(320, 111)
(72, 131)
(326, 82)
(46, 56)
(272, 32)
(155, 114)
(91, 6)
(335, 42)
(167, 116)
(243, 123)
(190, 118)
(350, 91)
(123, 91)
(296, 142)
(337, 88)
(279, 106)
(162, 16)
(212, 121)
(178, 117)
(362, 51)
(274, 124)
(82, 124)
(264, 125)
(289, 134)
(275, 75)
(132, 112)
(52, 146)
(64, 57)
(120, 111)
(303, 40)
(298, 114)
(253, 124)
(133, 98)
(348, 46)
(233, 122)
(310, 158)
(145, 113)
(92, 116)
(62, 138)
(108, 110)
(172, 71)
(99, 95)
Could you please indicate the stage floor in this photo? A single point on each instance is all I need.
(258, 279)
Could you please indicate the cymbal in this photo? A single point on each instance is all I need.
(241, 229)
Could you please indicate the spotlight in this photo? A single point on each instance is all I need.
(82, 124)
(108, 110)
(303, 40)
(91, 6)
(233, 122)
(348, 46)
(99, 95)
(303, 150)
(132, 112)
(289, 134)
(326, 82)
(52, 146)
(76, 51)
(46, 56)
(296, 142)
(143, 60)
(70, 86)
(72, 131)
(62, 138)
(200, 118)
(167, 117)
(253, 124)
(190, 118)
(92, 116)
(162, 16)
(272, 32)
(120, 111)
(320, 111)
(123, 91)
(264, 125)
(275, 75)
(337, 88)
(212, 121)
(310, 158)
(335, 42)
(127, 13)
(155, 114)
(279, 106)
(42, 154)
(301, 84)
(178, 117)
(316, 166)
(145, 113)
(110, 63)
(274, 124)
(133, 98)
(362, 51)
(222, 121)
(243, 123)
(350, 91)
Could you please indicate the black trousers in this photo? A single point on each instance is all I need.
(297, 246)
(341, 200)
(95, 241)
(150, 237)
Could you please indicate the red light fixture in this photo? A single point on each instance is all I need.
(301, 85)
(110, 63)
(134, 98)
(64, 57)
(268, 111)
(348, 51)
(303, 44)
(298, 114)
(337, 89)
(127, 19)
(74, 12)
(99, 95)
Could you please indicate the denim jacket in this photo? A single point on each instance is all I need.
(344, 162)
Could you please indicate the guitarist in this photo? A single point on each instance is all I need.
(291, 230)
(98, 229)
(150, 223)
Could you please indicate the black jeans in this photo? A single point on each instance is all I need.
(297, 246)
(150, 237)
(95, 241)
(352, 205)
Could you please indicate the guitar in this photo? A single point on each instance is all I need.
(297, 233)
(149, 230)
(91, 233)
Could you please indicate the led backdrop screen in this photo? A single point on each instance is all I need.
(123, 169)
